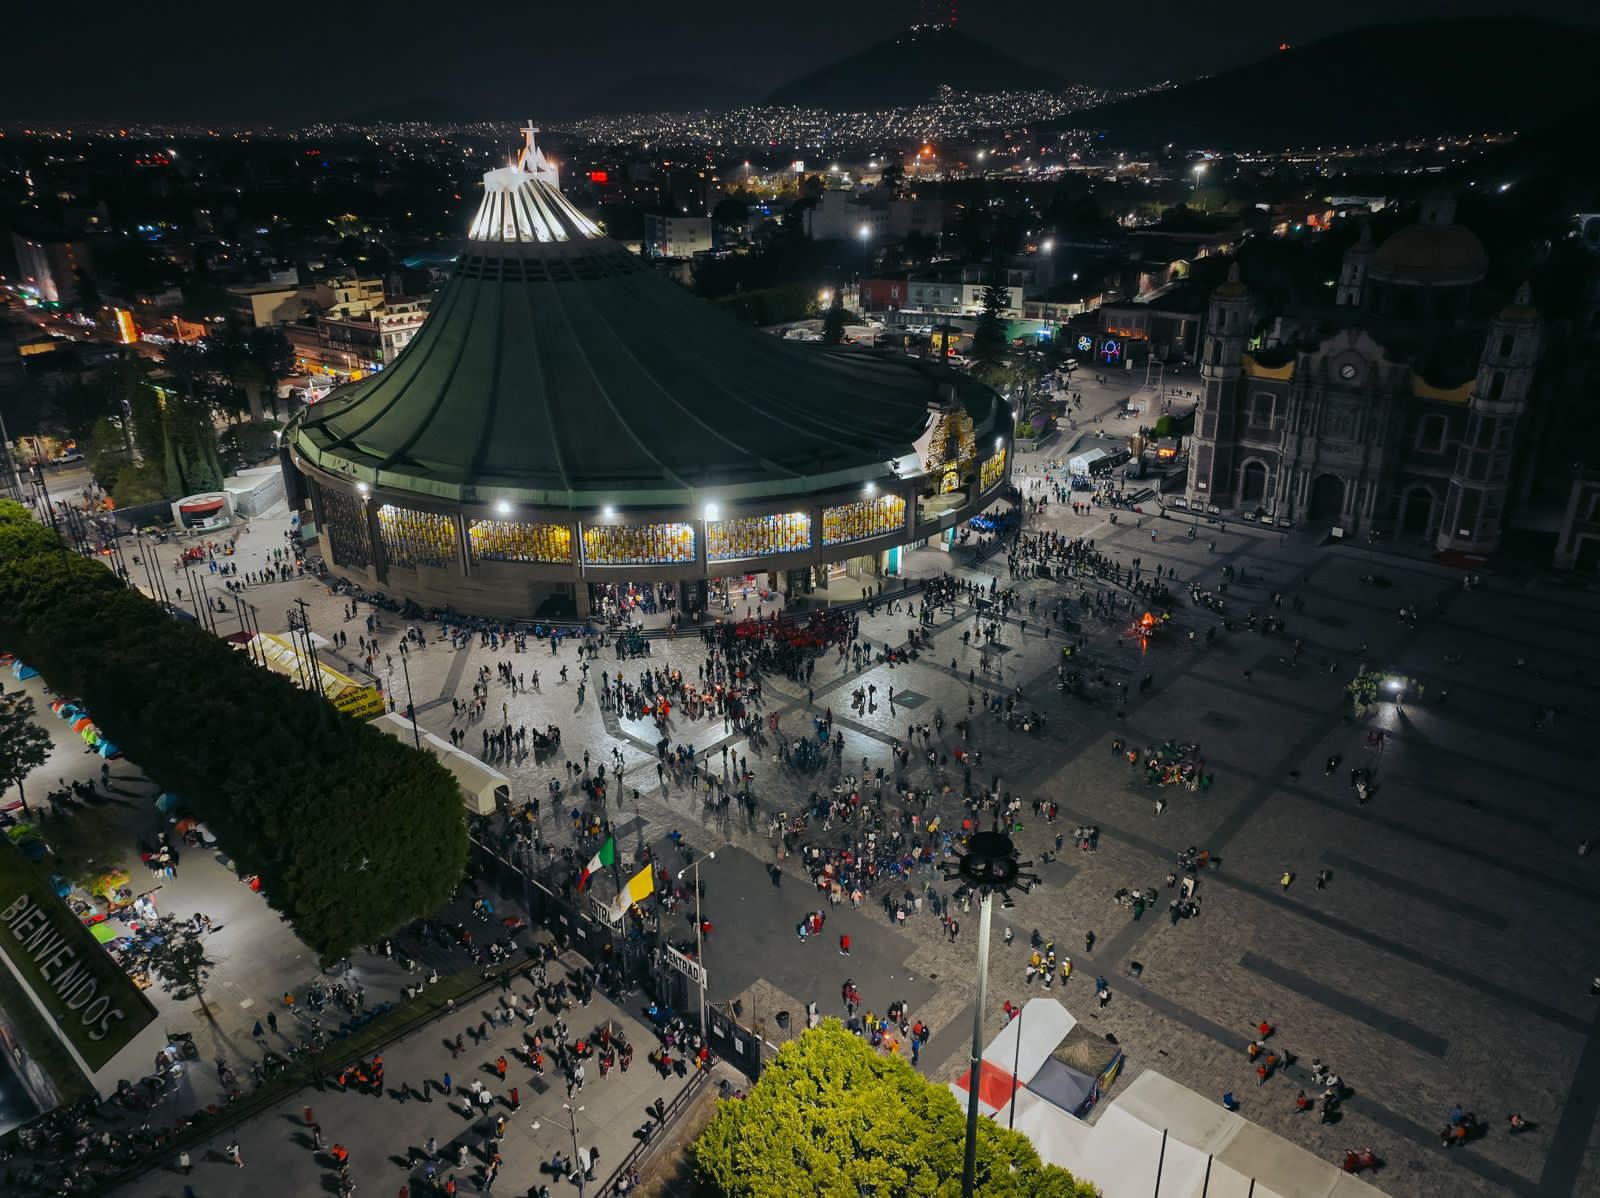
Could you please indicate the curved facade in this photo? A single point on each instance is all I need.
(569, 417)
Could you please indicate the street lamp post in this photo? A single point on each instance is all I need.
(699, 937)
(411, 706)
(988, 867)
(577, 1165)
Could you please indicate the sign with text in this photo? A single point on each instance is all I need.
(93, 1003)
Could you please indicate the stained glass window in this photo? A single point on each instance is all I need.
(993, 471)
(954, 441)
(412, 538)
(638, 544)
(867, 518)
(757, 536)
(346, 518)
(510, 541)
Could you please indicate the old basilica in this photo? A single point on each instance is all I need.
(1393, 411)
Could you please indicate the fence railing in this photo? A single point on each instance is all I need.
(642, 1149)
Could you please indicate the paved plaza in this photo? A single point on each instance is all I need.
(1446, 961)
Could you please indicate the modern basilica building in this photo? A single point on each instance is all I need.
(568, 421)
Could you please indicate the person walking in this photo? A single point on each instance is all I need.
(844, 946)
(233, 1154)
(184, 1163)
(1287, 880)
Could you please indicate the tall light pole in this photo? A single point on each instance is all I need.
(411, 705)
(988, 867)
(577, 1165)
(699, 937)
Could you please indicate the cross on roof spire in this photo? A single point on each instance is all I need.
(529, 149)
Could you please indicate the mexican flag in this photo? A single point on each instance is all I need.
(607, 855)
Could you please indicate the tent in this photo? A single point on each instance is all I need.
(1156, 1137)
(283, 656)
(1081, 463)
(483, 788)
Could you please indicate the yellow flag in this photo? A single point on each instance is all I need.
(641, 886)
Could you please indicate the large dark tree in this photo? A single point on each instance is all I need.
(833, 319)
(989, 345)
(351, 833)
(174, 951)
(24, 746)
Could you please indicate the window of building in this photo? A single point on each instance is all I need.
(512, 541)
(1430, 434)
(859, 521)
(757, 536)
(412, 538)
(1497, 384)
(625, 545)
(1506, 342)
(346, 518)
(1262, 405)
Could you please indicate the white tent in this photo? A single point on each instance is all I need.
(1156, 1139)
(1083, 461)
(482, 786)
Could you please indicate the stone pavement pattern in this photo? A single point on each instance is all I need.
(386, 1136)
(1447, 961)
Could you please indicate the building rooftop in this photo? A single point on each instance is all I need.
(558, 369)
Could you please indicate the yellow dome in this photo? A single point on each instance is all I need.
(1431, 255)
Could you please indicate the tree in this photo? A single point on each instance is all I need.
(88, 293)
(351, 835)
(833, 319)
(832, 1117)
(989, 345)
(24, 746)
(77, 406)
(175, 952)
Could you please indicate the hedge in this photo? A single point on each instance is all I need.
(351, 832)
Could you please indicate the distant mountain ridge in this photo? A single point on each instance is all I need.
(1378, 83)
(909, 68)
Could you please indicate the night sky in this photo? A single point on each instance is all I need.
(284, 62)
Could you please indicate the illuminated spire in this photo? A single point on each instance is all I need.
(523, 202)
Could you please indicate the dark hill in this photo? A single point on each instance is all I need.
(1374, 84)
(909, 68)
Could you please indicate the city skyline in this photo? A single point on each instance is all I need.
(231, 68)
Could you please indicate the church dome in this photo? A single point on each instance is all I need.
(1431, 255)
(558, 369)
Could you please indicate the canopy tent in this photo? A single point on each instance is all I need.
(284, 657)
(483, 788)
(1081, 463)
(1155, 1138)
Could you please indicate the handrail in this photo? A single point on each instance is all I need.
(642, 1149)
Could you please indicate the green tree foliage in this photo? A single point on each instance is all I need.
(989, 348)
(77, 406)
(351, 832)
(833, 319)
(88, 293)
(175, 952)
(833, 1118)
(24, 746)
